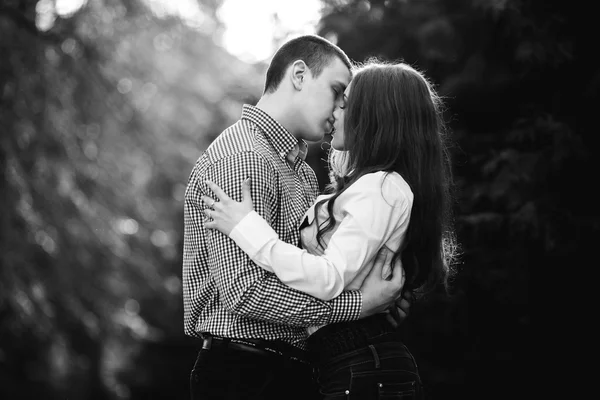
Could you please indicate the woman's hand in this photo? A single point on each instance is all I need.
(225, 213)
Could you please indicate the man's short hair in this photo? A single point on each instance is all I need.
(315, 51)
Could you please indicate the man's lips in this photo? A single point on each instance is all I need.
(332, 124)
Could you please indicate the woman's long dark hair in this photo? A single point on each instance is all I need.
(394, 123)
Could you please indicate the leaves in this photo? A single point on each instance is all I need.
(502, 67)
(104, 115)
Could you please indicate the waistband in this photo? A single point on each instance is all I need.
(277, 348)
(341, 337)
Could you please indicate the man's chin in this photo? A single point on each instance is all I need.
(313, 137)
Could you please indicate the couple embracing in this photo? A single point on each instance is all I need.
(295, 294)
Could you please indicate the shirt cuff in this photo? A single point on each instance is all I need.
(346, 307)
(252, 233)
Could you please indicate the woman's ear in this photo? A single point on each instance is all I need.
(299, 72)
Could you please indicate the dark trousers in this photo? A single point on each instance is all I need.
(384, 369)
(227, 373)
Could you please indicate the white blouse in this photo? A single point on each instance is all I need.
(371, 214)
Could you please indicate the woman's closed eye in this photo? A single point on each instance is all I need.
(344, 102)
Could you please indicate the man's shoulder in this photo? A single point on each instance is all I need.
(244, 140)
(238, 137)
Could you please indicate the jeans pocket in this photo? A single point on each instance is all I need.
(384, 385)
(335, 396)
(397, 391)
(334, 389)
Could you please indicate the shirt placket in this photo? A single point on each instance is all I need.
(304, 188)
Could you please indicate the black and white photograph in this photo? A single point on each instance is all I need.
(289, 200)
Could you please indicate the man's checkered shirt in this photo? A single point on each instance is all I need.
(224, 292)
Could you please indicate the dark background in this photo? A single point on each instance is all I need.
(103, 113)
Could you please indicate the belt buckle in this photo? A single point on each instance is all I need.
(207, 343)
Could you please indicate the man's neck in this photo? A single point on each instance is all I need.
(272, 105)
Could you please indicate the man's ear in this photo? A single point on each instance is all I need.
(298, 73)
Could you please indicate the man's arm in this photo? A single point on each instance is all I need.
(369, 220)
(245, 288)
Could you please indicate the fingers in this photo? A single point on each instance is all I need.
(408, 296)
(209, 201)
(212, 218)
(210, 224)
(402, 303)
(246, 196)
(380, 260)
(399, 278)
(221, 195)
(209, 214)
(213, 213)
(401, 311)
(391, 319)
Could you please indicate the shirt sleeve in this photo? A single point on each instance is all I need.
(370, 212)
(245, 288)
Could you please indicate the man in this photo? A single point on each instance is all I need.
(253, 327)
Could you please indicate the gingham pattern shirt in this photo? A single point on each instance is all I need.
(224, 292)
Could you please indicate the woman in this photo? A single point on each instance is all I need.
(390, 191)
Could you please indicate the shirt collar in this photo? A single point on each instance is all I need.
(282, 140)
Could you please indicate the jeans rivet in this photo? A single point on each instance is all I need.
(381, 385)
(347, 392)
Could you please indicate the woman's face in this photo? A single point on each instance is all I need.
(337, 141)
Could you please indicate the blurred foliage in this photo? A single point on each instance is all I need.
(104, 110)
(506, 70)
(103, 116)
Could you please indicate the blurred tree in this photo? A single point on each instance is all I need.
(104, 110)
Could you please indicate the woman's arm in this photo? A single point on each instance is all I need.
(371, 212)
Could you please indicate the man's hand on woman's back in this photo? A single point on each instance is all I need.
(380, 294)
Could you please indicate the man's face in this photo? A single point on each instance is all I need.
(319, 98)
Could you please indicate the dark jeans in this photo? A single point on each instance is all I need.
(224, 373)
(385, 369)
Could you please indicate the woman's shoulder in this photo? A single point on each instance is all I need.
(377, 189)
(391, 185)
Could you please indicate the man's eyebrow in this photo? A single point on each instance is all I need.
(341, 85)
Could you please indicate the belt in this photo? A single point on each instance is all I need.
(260, 347)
